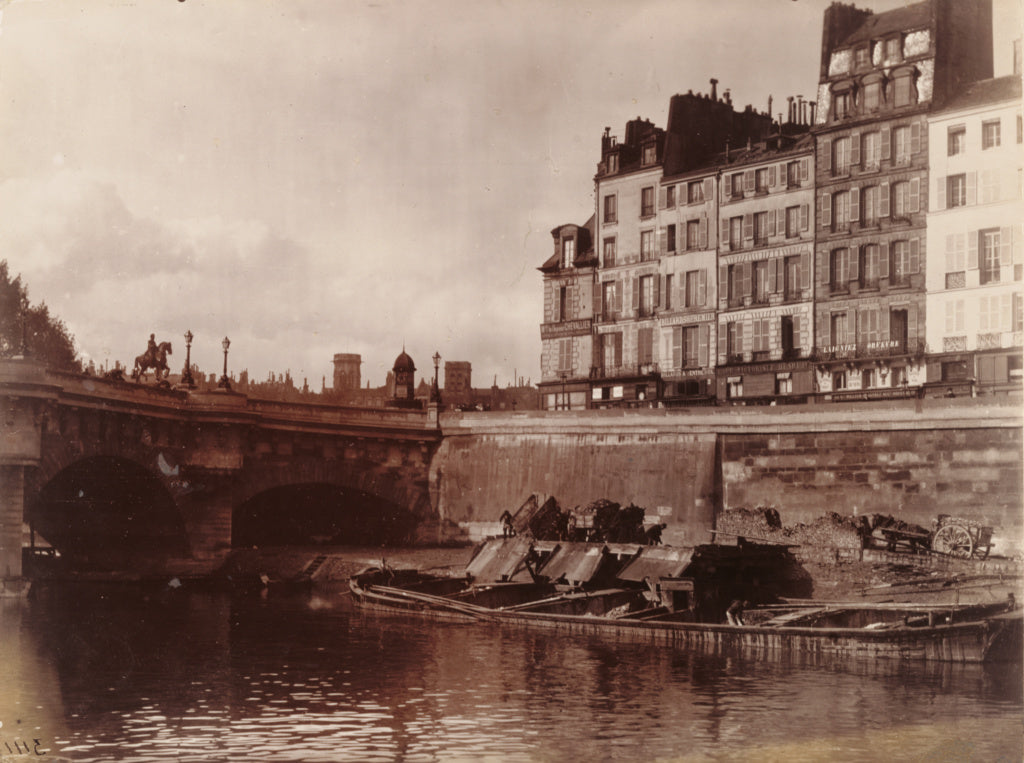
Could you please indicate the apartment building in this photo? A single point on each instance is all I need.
(567, 342)
(976, 239)
(765, 254)
(880, 75)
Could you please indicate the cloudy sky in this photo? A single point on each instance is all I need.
(319, 176)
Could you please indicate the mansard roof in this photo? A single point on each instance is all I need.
(986, 91)
(879, 25)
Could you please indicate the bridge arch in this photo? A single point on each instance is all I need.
(108, 513)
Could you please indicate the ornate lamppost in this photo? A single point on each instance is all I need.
(225, 383)
(186, 375)
(435, 393)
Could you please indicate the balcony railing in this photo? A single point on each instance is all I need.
(877, 349)
(614, 372)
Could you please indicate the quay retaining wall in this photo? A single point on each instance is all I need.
(912, 459)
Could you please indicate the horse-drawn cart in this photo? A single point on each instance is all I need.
(961, 537)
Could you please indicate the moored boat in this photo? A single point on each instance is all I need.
(679, 597)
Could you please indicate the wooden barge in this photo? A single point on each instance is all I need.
(678, 597)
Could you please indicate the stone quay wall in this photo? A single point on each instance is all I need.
(912, 459)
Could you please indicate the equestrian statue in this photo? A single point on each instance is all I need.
(154, 357)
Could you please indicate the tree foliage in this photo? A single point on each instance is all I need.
(47, 338)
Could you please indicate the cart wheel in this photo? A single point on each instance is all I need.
(953, 540)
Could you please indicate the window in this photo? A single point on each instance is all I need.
(839, 269)
(610, 208)
(989, 256)
(871, 150)
(736, 285)
(1018, 312)
(787, 337)
(867, 377)
(612, 163)
(793, 174)
(609, 301)
(568, 251)
(650, 154)
(838, 328)
(841, 105)
(736, 232)
(734, 387)
(646, 245)
(839, 380)
(784, 383)
(901, 144)
(761, 180)
(609, 252)
(792, 222)
(867, 327)
(869, 266)
(690, 349)
(955, 317)
(647, 202)
(563, 299)
(646, 305)
(892, 50)
(611, 352)
(903, 90)
(760, 228)
(670, 197)
(862, 57)
(645, 346)
(899, 265)
(989, 314)
(841, 156)
(696, 288)
(791, 278)
(737, 184)
(693, 234)
(695, 192)
(669, 283)
(760, 273)
(872, 96)
(901, 200)
(869, 206)
(760, 344)
(956, 190)
(565, 355)
(840, 211)
(990, 134)
(899, 329)
(734, 340)
(670, 238)
(956, 140)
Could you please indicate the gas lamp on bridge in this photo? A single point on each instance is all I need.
(435, 392)
(186, 374)
(225, 383)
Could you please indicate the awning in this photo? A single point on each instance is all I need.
(657, 562)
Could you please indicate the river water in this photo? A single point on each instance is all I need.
(105, 673)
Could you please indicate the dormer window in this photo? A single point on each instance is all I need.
(862, 57)
(650, 154)
(841, 105)
(612, 164)
(892, 50)
(568, 252)
(873, 95)
(903, 89)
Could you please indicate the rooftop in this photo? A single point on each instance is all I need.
(878, 25)
(986, 91)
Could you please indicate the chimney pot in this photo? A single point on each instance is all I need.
(714, 89)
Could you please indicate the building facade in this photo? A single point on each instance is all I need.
(880, 75)
(976, 239)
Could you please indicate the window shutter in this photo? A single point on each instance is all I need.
(883, 324)
(826, 210)
(597, 300)
(783, 175)
(1005, 247)
(771, 222)
(723, 347)
(772, 276)
(723, 286)
(663, 198)
(805, 271)
(915, 256)
(883, 200)
(726, 190)
(1018, 244)
(940, 193)
(854, 264)
(748, 227)
(883, 259)
(746, 288)
(972, 188)
(709, 189)
(825, 155)
(725, 232)
(915, 137)
(851, 327)
(704, 337)
(972, 250)
(912, 321)
(703, 235)
(1006, 312)
(915, 194)
(636, 294)
(804, 169)
(854, 204)
(739, 336)
(805, 216)
(618, 297)
(748, 181)
(618, 350)
(663, 240)
(702, 287)
(771, 175)
(855, 149)
(886, 141)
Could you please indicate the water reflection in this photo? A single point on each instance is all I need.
(121, 674)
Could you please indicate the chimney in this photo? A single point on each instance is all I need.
(728, 96)
(789, 117)
(769, 105)
(800, 114)
(813, 104)
(714, 89)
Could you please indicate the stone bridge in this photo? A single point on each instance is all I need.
(118, 476)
